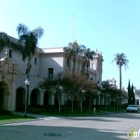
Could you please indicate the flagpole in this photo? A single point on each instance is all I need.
(72, 27)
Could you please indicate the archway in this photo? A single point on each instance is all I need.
(46, 98)
(4, 96)
(56, 101)
(20, 98)
(35, 97)
(1, 95)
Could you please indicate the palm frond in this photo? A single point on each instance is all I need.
(22, 29)
(121, 60)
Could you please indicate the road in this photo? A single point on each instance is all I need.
(113, 126)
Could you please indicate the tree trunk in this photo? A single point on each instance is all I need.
(87, 67)
(106, 102)
(72, 106)
(120, 68)
(90, 105)
(81, 105)
(114, 105)
(28, 77)
(59, 100)
(73, 63)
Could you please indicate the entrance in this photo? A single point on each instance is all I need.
(4, 96)
(1, 95)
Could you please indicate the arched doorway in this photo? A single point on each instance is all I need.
(20, 98)
(1, 95)
(46, 98)
(4, 96)
(56, 101)
(35, 97)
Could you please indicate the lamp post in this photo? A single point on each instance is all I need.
(27, 84)
(60, 87)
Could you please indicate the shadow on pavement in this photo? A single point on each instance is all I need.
(34, 132)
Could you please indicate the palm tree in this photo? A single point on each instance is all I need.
(6, 41)
(73, 50)
(28, 40)
(88, 55)
(121, 60)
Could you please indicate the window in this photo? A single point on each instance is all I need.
(93, 66)
(10, 53)
(50, 73)
(35, 61)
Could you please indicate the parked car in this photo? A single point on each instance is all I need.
(132, 108)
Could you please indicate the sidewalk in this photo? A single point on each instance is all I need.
(33, 115)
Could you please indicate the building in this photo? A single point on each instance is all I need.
(137, 96)
(112, 82)
(46, 63)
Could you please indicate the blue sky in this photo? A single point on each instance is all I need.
(111, 26)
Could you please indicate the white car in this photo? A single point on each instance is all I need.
(132, 108)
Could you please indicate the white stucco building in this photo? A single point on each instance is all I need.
(46, 63)
(137, 96)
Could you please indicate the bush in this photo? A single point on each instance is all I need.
(5, 112)
(36, 110)
(20, 108)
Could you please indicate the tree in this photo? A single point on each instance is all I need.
(105, 91)
(88, 55)
(112, 94)
(53, 86)
(72, 51)
(129, 93)
(121, 60)
(6, 41)
(87, 88)
(73, 86)
(91, 93)
(132, 95)
(28, 41)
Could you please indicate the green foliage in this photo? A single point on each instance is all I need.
(121, 60)
(28, 39)
(131, 96)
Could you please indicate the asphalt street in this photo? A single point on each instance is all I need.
(113, 126)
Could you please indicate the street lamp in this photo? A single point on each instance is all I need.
(60, 87)
(27, 84)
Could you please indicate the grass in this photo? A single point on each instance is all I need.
(13, 118)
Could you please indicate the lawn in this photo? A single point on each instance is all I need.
(14, 118)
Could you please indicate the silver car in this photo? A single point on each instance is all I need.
(132, 108)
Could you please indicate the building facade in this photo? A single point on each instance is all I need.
(46, 63)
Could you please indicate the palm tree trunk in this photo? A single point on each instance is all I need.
(87, 67)
(73, 63)
(120, 77)
(28, 77)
